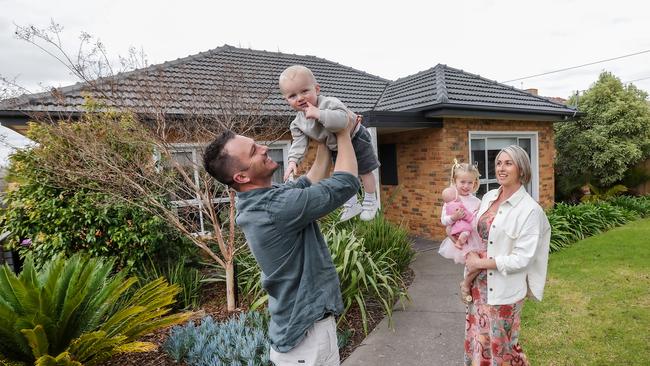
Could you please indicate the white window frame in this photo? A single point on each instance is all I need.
(194, 149)
(534, 151)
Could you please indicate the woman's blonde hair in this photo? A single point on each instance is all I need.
(521, 160)
(458, 168)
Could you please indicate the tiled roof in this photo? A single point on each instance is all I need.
(230, 77)
(445, 86)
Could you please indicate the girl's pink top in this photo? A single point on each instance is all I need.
(474, 243)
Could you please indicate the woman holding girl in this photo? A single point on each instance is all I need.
(516, 232)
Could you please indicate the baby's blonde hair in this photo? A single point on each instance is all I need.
(458, 168)
(292, 71)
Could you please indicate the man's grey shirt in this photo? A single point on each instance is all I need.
(297, 270)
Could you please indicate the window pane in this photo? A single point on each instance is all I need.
(491, 155)
(277, 155)
(494, 145)
(478, 156)
(221, 210)
(190, 217)
(388, 168)
(482, 189)
(498, 143)
(184, 158)
(184, 190)
(524, 143)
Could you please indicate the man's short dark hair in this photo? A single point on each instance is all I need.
(216, 160)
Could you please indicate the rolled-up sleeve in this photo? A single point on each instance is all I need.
(524, 248)
(301, 206)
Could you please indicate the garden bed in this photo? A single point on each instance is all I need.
(213, 305)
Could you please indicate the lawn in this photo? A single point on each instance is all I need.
(596, 307)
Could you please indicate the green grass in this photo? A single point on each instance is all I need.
(596, 307)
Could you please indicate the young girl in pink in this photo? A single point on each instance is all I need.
(458, 215)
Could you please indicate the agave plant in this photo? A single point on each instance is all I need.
(66, 313)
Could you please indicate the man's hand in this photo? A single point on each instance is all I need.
(291, 169)
(312, 112)
(353, 120)
(458, 214)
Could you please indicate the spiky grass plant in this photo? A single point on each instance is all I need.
(65, 314)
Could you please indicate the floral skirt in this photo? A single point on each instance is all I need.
(492, 331)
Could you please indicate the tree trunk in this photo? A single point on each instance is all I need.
(230, 285)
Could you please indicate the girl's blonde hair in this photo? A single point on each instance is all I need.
(459, 168)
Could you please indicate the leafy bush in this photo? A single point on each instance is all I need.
(66, 221)
(640, 205)
(239, 341)
(249, 278)
(369, 258)
(363, 274)
(176, 272)
(383, 237)
(66, 312)
(66, 199)
(571, 223)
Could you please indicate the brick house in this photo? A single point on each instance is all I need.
(419, 123)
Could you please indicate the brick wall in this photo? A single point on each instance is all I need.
(424, 160)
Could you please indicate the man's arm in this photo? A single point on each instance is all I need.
(304, 205)
(321, 165)
(346, 161)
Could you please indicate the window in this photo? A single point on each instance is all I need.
(188, 204)
(484, 147)
(388, 168)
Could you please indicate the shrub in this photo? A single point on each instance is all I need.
(571, 223)
(381, 236)
(239, 341)
(177, 272)
(65, 201)
(365, 273)
(362, 274)
(249, 278)
(66, 221)
(640, 205)
(66, 312)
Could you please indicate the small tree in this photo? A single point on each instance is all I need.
(612, 136)
(127, 150)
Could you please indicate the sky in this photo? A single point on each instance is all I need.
(500, 40)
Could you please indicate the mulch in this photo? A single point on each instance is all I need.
(213, 304)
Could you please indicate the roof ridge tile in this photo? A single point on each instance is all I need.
(441, 85)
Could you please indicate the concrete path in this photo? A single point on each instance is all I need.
(430, 330)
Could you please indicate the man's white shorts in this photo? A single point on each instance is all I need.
(318, 348)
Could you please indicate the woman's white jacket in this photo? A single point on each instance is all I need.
(519, 243)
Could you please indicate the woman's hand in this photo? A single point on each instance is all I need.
(472, 261)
